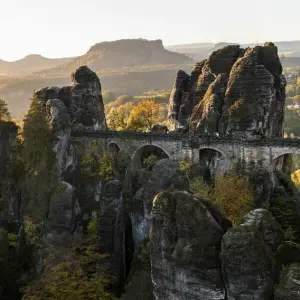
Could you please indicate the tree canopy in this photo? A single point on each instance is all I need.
(144, 115)
(4, 112)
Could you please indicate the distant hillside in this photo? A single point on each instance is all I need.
(202, 50)
(29, 64)
(130, 66)
(124, 53)
(18, 91)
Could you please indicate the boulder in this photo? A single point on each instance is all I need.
(86, 77)
(289, 284)
(185, 244)
(270, 230)
(248, 256)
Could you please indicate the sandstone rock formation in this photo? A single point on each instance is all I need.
(78, 105)
(112, 229)
(248, 256)
(82, 102)
(166, 173)
(185, 249)
(234, 90)
(64, 215)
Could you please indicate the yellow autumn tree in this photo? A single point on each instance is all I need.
(233, 195)
(118, 117)
(296, 178)
(144, 115)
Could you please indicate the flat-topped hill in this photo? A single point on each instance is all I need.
(123, 54)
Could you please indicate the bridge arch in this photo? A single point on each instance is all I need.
(95, 146)
(113, 149)
(214, 159)
(282, 161)
(145, 151)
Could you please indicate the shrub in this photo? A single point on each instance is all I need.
(199, 188)
(233, 195)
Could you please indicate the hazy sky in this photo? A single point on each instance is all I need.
(57, 28)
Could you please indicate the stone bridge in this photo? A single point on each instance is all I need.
(190, 147)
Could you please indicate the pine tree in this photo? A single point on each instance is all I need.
(39, 157)
(4, 112)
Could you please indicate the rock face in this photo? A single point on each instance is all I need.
(185, 249)
(80, 103)
(234, 90)
(289, 285)
(64, 215)
(248, 256)
(166, 173)
(112, 227)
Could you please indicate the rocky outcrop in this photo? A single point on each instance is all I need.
(248, 256)
(80, 103)
(234, 90)
(165, 173)
(112, 230)
(289, 285)
(185, 249)
(64, 215)
(179, 105)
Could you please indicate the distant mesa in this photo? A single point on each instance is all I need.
(125, 53)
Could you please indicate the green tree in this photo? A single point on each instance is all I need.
(199, 188)
(77, 274)
(118, 117)
(39, 160)
(4, 112)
